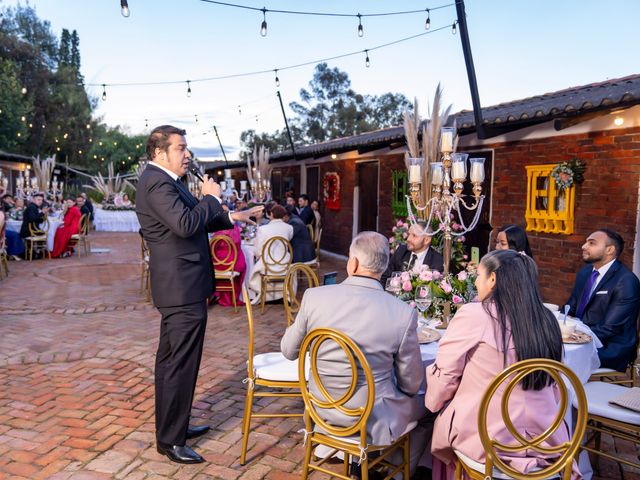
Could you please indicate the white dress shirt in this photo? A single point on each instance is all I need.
(602, 271)
(419, 257)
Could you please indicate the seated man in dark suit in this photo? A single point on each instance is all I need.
(81, 203)
(417, 251)
(303, 248)
(33, 215)
(606, 296)
(304, 209)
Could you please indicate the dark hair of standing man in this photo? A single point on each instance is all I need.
(615, 239)
(159, 138)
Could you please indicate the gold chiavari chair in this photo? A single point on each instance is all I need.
(290, 298)
(351, 440)
(629, 377)
(145, 273)
(224, 265)
(82, 237)
(560, 457)
(37, 240)
(4, 257)
(270, 371)
(311, 231)
(277, 255)
(316, 241)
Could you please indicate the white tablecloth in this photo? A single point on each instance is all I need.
(115, 221)
(247, 250)
(54, 223)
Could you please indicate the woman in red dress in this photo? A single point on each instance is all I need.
(71, 227)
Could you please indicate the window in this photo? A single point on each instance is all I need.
(549, 210)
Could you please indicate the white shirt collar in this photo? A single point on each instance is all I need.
(420, 256)
(605, 268)
(169, 172)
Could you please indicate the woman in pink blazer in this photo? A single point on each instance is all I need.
(507, 325)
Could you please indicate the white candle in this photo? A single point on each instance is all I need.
(414, 174)
(223, 185)
(231, 183)
(258, 175)
(457, 171)
(243, 185)
(62, 186)
(34, 183)
(5, 182)
(446, 140)
(477, 170)
(227, 173)
(436, 173)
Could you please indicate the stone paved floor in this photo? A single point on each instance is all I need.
(77, 343)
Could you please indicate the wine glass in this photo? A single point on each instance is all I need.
(422, 299)
(393, 285)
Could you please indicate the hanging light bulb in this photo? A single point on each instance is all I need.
(427, 24)
(124, 8)
(239, 110)
(104, 92)
(360, 28)
(453, 28)
(146, 123)
(277, 79)
(23, 91)
(196, 118)
(189, 88)
(367, 62)
(263, 27)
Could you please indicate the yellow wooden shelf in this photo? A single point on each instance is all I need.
(548, 209)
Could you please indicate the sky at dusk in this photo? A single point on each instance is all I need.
(520, 48)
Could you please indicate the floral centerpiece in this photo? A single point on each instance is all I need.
(455, 288)
(565, 174)
(458, 256)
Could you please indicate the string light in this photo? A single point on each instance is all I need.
(239, 110)
(124, 8)
(189, 88)
(367, 62)
(277, 79)
(104, 92)
(196, 118)
(427, 24)
(360, 28)
(24, 90)
(263, 27)
(453, 28)
(146, 123)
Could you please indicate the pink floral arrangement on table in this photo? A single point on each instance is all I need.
(455, 288)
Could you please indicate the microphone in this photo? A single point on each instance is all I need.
(195, 171)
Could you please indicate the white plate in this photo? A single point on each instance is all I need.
(552, 306)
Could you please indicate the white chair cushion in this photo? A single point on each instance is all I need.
(37, 239)
(75, 236)
(598, 396)
(601, 371)
(480, 467)
(273, 366)
(223, 275)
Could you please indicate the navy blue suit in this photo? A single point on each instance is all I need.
(612, 313)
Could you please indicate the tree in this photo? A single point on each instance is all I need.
(275, 142)
(14, 107)
(113, 145)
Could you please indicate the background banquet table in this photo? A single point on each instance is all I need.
(115, 221)
(54, 223)
(247, 250)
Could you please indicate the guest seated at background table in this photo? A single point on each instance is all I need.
(261, 217)
(64, 232)
(415, 252)
(304, 210)
(7, 202)
(304, 250)
(222, 253)
(317, 223)
(509, 324)
(14, 244)
(606, 297)
(82, 206)
(33, 215)
(275, 228)
(87, 202)
(385, 330)
(513, 237)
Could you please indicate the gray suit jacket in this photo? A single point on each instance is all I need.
(385, 330)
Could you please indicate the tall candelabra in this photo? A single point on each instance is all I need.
(440, 199)
(228, 186)
(259, 175)
(26, 186)
(261, 188)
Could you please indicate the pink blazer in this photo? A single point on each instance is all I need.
(468, 359)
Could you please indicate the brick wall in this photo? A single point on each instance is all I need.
(607, 198)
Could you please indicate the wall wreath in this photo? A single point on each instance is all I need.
(331, 190)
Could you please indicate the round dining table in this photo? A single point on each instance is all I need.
(54, 223)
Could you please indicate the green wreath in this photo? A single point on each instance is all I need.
(565, 174)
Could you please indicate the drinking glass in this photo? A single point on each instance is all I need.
(393, 285)
(422, 299)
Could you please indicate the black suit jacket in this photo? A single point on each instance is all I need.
(32, 215)
(303, 248)
(612, 313)
(400, 260)
(175, 225)
(307, 215)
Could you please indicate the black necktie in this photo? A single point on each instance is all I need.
(191, 200)
(412, 261)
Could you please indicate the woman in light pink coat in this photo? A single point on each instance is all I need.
(509, 324)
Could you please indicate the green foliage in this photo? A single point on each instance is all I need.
(113, 145)
(13, 107)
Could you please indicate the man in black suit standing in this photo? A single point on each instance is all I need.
(606, 296)
(175, 225)
(415, 252)
(304, 210)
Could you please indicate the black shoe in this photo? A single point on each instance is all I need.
(179, 453)
(196, 431)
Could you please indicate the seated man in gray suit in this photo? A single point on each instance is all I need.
(385, 330)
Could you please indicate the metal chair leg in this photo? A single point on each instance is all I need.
(246, 423)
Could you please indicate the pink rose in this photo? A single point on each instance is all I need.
(446, 287)
(406, 286)
(455, 225)
(424, 292)
(426, 276)
(404, 235)
(394, 229)
(462, 275)
(399, 223)
(405, 276)
(436, 275)
(412, 304)
(457, 300)
(462, 238)
(391, 239)
(466, 257)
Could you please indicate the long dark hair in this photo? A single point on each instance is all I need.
(534, 329)
(517, 239)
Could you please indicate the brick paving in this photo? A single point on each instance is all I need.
(77, 344)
